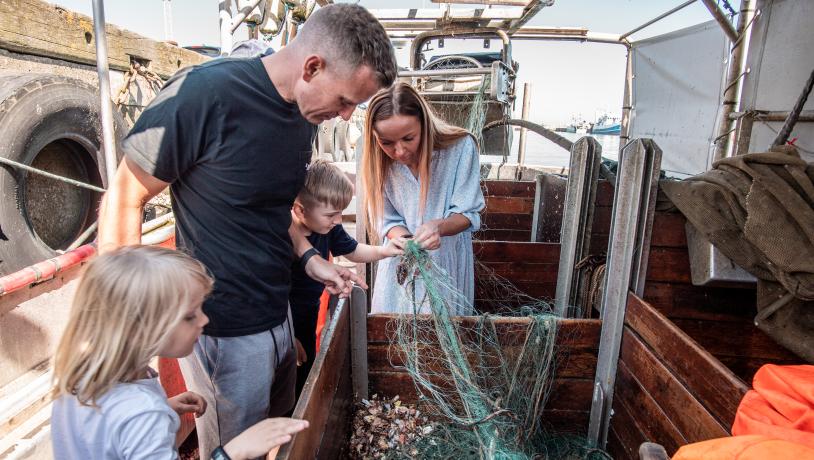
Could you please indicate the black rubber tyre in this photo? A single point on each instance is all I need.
(50, 123)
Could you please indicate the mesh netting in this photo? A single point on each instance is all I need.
(485, 391)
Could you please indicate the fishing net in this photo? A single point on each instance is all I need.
(464, 101)
(485, 391)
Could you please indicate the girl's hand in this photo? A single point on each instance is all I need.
(263, 437)
(302, 356)
(428, 236)
(188, 402)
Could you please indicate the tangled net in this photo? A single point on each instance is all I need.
(485, 391)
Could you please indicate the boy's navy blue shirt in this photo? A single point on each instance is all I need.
(305, 291)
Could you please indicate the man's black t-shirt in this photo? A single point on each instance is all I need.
(236, 154)
(305, 292)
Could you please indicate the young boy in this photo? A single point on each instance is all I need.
(317, 213)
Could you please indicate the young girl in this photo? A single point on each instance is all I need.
(131, 305)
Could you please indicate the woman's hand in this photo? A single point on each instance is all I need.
(428, 236)
(187, 402)
(263, 437)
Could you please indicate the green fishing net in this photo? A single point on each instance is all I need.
(486, 392)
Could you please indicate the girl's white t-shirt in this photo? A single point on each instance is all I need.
(132, 421)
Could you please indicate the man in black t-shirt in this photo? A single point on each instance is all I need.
(232, 139)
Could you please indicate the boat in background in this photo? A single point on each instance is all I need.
(607, 125)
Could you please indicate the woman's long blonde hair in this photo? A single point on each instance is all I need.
(436, 134)
(125, 307)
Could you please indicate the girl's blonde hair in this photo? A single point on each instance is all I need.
(436, 134)
(127, 304)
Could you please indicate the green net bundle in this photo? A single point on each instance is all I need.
(485, 391)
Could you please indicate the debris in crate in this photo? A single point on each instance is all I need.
(385, 428)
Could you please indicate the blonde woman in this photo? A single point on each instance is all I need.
(422, 178)
(131, 305)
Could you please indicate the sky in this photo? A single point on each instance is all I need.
(567, 79)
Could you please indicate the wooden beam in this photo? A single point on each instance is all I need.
(39, 28)
(486, 2)
(326, 399)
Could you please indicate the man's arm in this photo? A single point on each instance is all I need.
(121, 211)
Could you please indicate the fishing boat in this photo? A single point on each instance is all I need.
(607, 125)
(666, 345)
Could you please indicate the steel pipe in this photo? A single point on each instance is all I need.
(106, 107)
(724, 137)
(656, 19)
(723, 21)
(49, 175)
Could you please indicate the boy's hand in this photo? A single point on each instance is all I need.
(188, 402)
(263, 437)
(302, 356)
(394, 247)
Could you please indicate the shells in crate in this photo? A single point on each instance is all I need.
(383, 426)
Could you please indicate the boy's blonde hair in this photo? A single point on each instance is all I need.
(127, 304)
(325, 184)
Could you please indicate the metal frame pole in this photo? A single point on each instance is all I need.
(657, 19)
(736, 70)
(577, 219)
(627, 102)
(521, 152)
(720, 16)
(225, 21)
(639, 167)
(106, 105)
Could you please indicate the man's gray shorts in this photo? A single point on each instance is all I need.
(243, 379)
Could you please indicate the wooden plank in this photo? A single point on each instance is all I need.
(574, 363)
(735, 339)
(677, 416)
(338, 427)
(602, 220)
(566, 394)
(745, 367)
(669, 265)
(522, 189)
(506, 221)
(670, 230)
(39, 28)
(604, 194)
(537, 291)
(626, 431)
(503, 235)
(516, 272)
(509, 205)
(500, 251)
(577, 333)
(695, 302)
(703, 375)
(566, 421)
(324, 390)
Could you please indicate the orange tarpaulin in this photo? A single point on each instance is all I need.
(780, 406)
(775, 420)
(754, 447)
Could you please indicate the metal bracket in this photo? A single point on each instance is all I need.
(577, 220)
(633, 208)
(358, 342)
